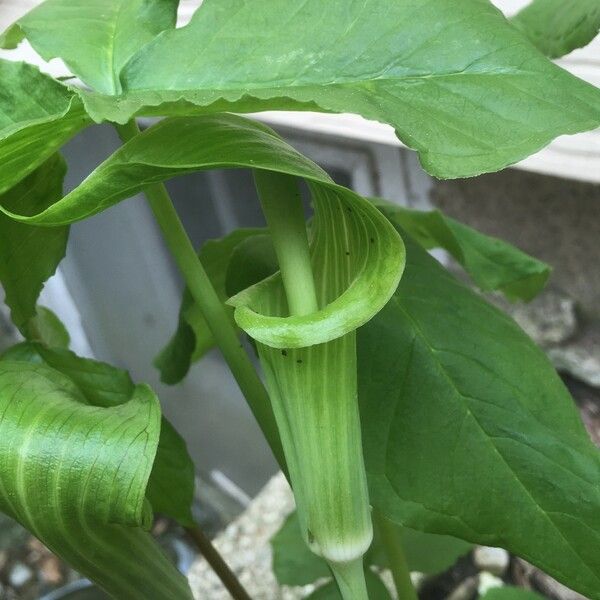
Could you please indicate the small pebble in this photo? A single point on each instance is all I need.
(50, 570)
(19, 575)
(492, 560)
(487, 582)
(465, 590)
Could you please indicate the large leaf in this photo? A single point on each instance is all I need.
(492, 263)
(37, 116)
(469, 431)
(95, 38)
(75, 475)
(557, 27)
(294, 564)
(29, 255)
(171, 483)
(458, 83)
(193, 338)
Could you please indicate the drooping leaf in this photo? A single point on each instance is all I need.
(75, 475)
(193, 338)
(171, 484)
(294, 564)
(458, 83)
(37, 116)
(375, 588)
(556, 27)
(95, 38)
(469, 431)
(29, 255)
(492, 263)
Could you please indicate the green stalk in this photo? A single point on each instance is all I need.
(211, 306)
(350, 578)
(394, 551)
(313, 391)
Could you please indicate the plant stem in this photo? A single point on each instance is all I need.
(392, 545)
(211, 306)
(282, 206)
(350, 578)
(218, 565)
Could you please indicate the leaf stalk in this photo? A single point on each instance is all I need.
(394, 551)
(217, 564)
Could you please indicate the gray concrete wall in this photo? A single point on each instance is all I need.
(553, 219)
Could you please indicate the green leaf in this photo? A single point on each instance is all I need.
(11, 38)
(457, 82)
(172, 481)
(556, 27)
(468, 430)
(171, 148)
(47, 328)
(294, 564)
(375, 588)
(29, 255)
(95, 38)
(510, 593)
(492, 263)
(193, 338)
(171, 484)
(37, 116)
(75, 475)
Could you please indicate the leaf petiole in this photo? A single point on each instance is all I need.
(394, 551)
